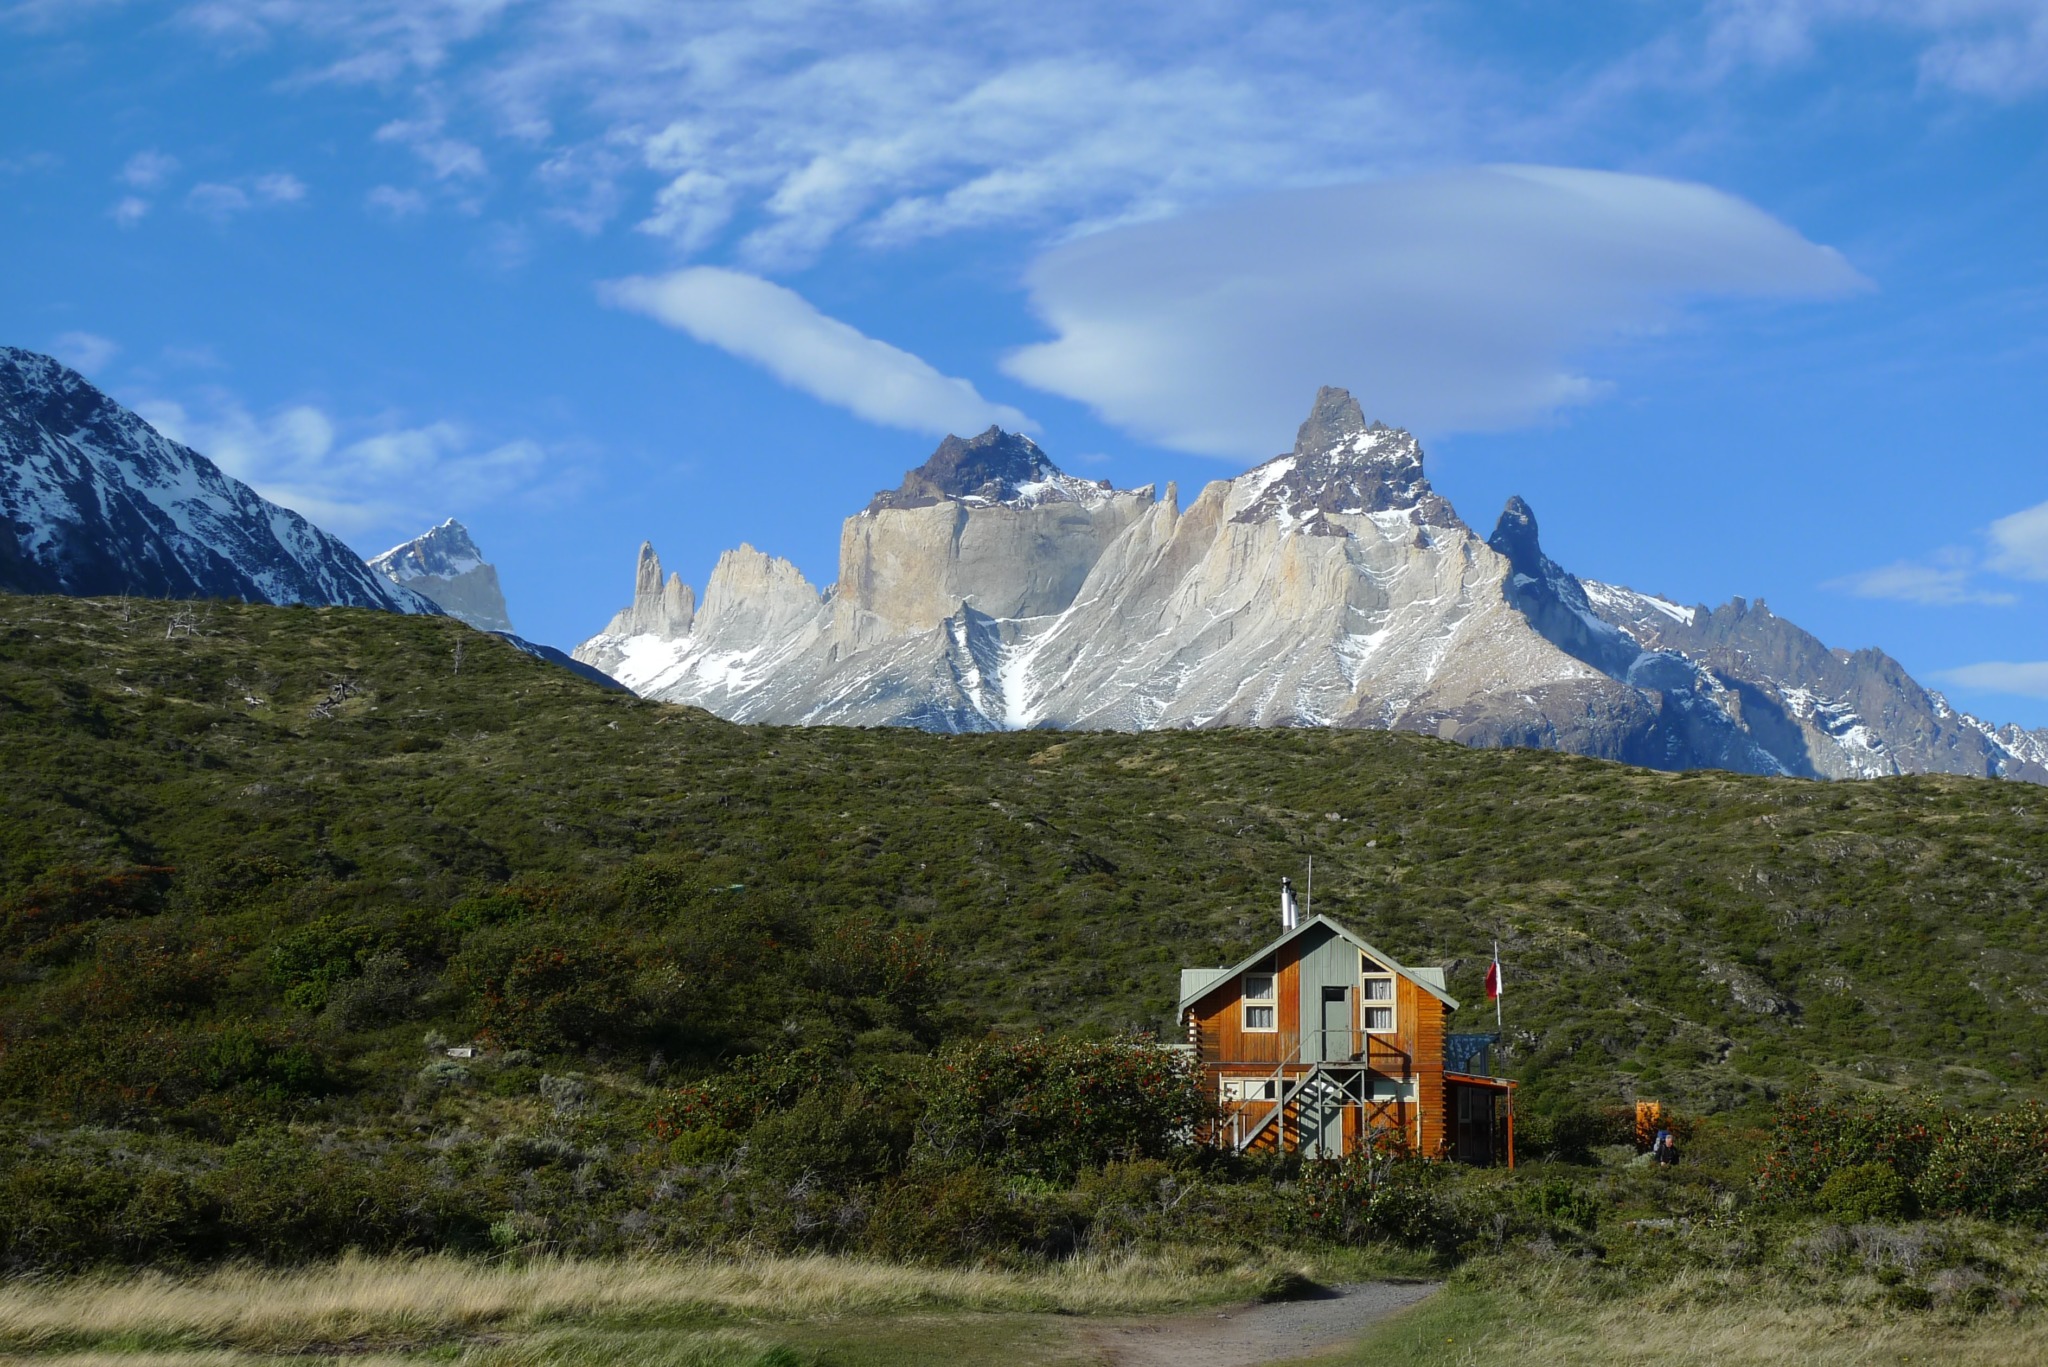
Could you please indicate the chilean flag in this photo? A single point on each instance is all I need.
(1493, 978)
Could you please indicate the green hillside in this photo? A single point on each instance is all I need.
(304, 834)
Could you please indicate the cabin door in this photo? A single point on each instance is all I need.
(1475, 1136)
(1337, 1040)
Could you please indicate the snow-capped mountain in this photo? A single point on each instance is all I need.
(1330, 586)
(93, 500)
(443, 564)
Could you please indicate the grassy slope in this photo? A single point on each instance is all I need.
(1697, 931)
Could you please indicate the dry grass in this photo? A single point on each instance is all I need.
(361, 1301)
(1735, 1336)
(1674, 1324)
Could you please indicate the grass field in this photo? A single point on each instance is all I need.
(822, 1312)
(1464, 1327)
(570, 1311)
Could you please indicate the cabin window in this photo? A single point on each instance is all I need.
(1376, 998)
(1249, 1088)
(1260, 1002)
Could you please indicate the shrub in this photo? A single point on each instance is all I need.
(1055, 1106)
(1385, 1195)
(1813, 1137)
(547, 986)
(1994, 1166)
(840, 1136)
(966, 1214)
(1561, 1202)
(1865, 1192)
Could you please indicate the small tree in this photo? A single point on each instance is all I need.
(1054, 1106)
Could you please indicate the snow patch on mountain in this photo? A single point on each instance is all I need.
(444, 564)
(93, 500)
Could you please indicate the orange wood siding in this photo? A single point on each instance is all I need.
(1219, 1016)
(1431, 1096)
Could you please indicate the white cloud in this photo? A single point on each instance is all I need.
(86, 351)
(2020, 543)
(389, 199)
(793, 124)
(387, 477)
(1444, 302)
(2016, 546)
(1949, 579)
(774, 129)
(216, 201)
(130, 210)
(2024, 679)
(1990, 48)
(279, 187)
(148, 169)
(221, 201)
(779, 330)
(446, 157)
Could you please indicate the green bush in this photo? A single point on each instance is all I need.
(1055, 1106)
(840, 1136)
(967, 1214)
(1865, 1192)
(1559, 1201)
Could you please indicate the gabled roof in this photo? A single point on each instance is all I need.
(1197, 983)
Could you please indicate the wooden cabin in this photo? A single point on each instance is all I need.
(1319, 1043)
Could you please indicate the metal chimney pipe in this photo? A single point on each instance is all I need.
(1290, 917)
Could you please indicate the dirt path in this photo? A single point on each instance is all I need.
(1246, 1335)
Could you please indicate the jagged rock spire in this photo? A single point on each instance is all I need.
(665, 610)
(1514, 536)
(1342, 464)
(994, 467)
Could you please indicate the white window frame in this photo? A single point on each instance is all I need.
(1370, 972)
(1238, 1089)
(1270, 1002)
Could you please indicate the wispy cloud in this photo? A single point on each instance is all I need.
(148, 169)
(2021, 679)
(1991, 48)
(349, 476)
(771, 131)
(223, 200)
(2019, 543)
(2013, 547)
(129, 210)
(445, 157)
(780, 331)
(396, 202)
(1444, 302)
(788, 127)
(86, 351)
(1947, 579)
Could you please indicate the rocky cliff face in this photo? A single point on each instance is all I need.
(93, 500)
(444, 565)
(1330, 586)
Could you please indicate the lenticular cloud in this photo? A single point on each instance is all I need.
(782, 332)
(1447, 302)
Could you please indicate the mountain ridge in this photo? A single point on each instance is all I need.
(93, 500)
(1329, 586)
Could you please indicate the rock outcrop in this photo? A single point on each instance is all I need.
(444, 564)
(1330, 586)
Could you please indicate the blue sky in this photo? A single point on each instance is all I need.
(1745, 296)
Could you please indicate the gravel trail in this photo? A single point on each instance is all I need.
(1246, 1335)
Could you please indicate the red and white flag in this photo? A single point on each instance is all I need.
(1493, 978)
